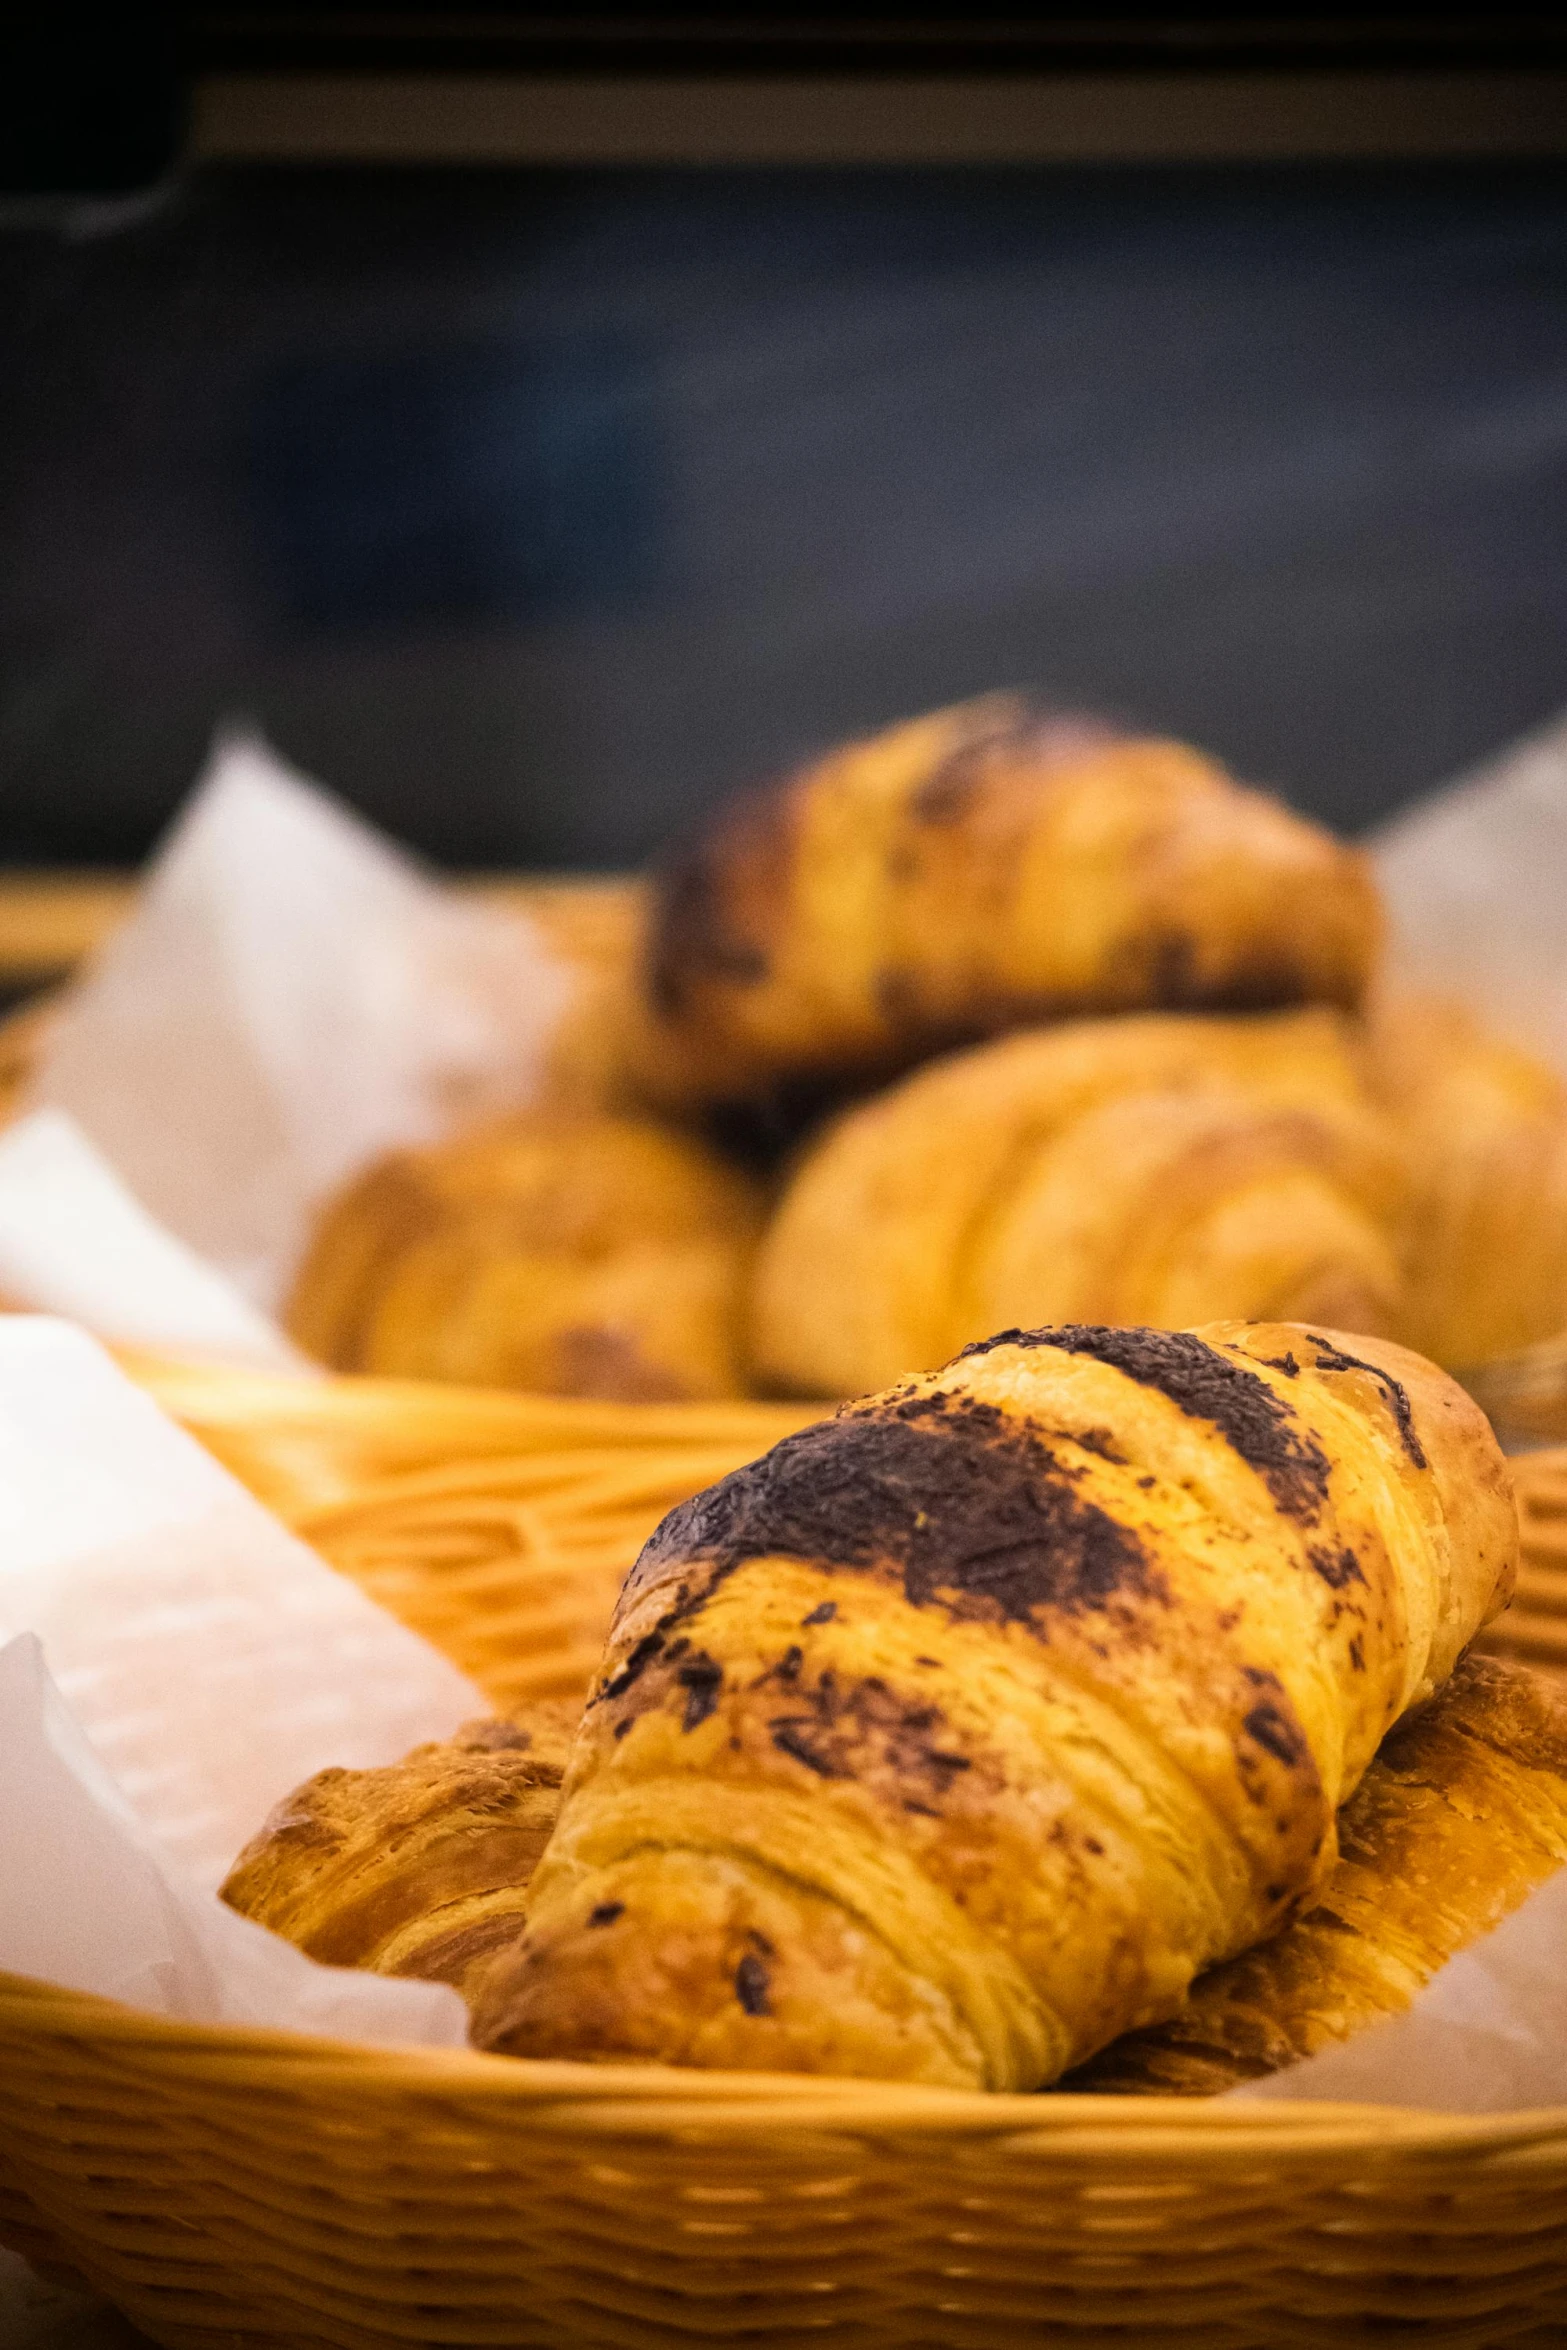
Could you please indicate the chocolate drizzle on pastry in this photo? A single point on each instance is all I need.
(1333, 1358)
(980, 1748)
(1206, 1385)
(974, 1511)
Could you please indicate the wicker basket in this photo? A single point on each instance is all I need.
(229, 2187)
(238, 2187)
(500, 1526)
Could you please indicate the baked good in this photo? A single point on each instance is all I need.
(1156, 1169)
(953, 1737)
(1486, 1125)
(1460, 1817)
(1461, 1814)
(985, 868)
(416, 1869)
(571, 1253)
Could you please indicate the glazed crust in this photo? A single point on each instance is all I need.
(419, 1868)
(1163, 1170)
(984, 868)
(570, 1253)
(955, 1736)
(1460, 1817)
(1461, 1814)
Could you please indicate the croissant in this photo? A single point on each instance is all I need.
(1159, 1169)
(1460, 1817)
(1487, 1129)
(570, 1253)
(416, 1869)
(984, 868)
(954, 1736)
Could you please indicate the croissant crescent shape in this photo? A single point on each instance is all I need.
(1161, 1169)
(572, 1253)
(982, 868)
(419, 1867)
(1460, 1817)
(954, 1736)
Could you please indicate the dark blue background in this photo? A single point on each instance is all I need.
(533, 511)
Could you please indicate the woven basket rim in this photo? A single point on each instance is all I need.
(654, 2100)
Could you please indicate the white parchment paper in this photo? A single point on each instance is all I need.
(74, 1241)
(1487, 2034)
(90, 1899)
(174, 1662)
(1475, 881)
(291, 996)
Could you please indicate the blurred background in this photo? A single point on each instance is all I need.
(542, 425)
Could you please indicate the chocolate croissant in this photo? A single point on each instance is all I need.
(419, 1868)
(953, 1737)
(1160, 1170)
(1461, 1816)
(574, 1254)
(1486, 1126)
(984, 868)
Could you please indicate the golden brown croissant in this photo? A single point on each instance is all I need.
(417, 1869)
(1461, 1816)
(421, 1869)
(1487, 1128)
(980, 869)
(573, 1254)
(954, 1736)
(1159, 1169)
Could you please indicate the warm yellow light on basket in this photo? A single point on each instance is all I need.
(498, 1525)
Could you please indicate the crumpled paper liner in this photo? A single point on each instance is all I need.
(1475, 882)
(175, 1662)
(291, 996)
(74, 1241)
(91, 1900)
(1488, 2033)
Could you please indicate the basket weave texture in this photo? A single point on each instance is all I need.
(232, 2187)
(229, 2187)
(498, 1525)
